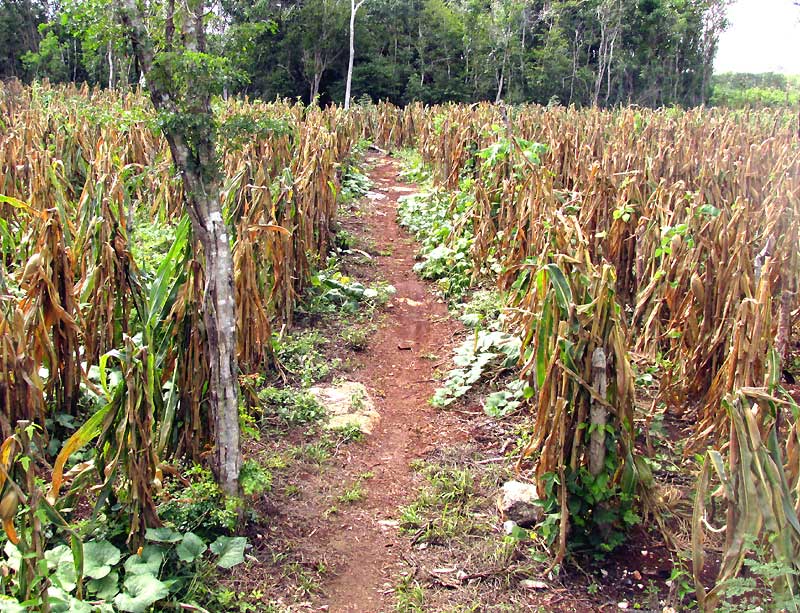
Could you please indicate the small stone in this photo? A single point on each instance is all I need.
(518, 502)
(531, 584)
(623, 605)
(508, 526)
(636, 575)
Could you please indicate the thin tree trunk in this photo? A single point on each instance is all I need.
(598, 414)
(501, 82)
(353, 9)
(195, 158)
(110, 67)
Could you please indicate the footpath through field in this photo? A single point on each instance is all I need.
(398, 371)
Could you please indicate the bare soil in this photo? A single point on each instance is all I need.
(400, 378)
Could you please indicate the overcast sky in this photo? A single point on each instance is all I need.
(763, 36)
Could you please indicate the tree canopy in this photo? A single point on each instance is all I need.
(605, 52)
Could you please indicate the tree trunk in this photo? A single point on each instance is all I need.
(353, 9)
(195, 158)
(110, 67)
(500, 83)
(598, 414)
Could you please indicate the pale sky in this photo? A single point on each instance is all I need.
(763, 36)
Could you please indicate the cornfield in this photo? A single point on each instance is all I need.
(658, 236)
(623, 237)
(83, 172)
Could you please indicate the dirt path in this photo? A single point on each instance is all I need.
(397, 369)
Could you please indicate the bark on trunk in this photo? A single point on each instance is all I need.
(199, 169)
(598, 414)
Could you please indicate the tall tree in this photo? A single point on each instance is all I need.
(181, 78)
(354, 6)
(19, 33)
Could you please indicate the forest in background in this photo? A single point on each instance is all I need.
(601, 52)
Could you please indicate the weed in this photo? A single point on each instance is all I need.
(483, 310)
(354, 493)
(301, 355)
(317, 452)
(306, 582)
(254, 478)
(293, 407)
(334, 292)
(291, 491)
(356, 337)
(357, 400)
(355, 184)
(248, 424)
(344, 240)
(410, 597)
(442, 509)
(350, 433)
(488, 353)
(199, 506)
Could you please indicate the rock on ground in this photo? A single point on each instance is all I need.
(347, 404)
(518, 502)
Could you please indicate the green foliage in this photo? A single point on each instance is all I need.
(152, 242)
(602, 512)
(331, 291)
(184, 71)
(445, 258)
(440, 51)
(254, 478)
(350, 433)
(443, 507)
(301, 355)
(488, 353)
(198, 506)
(48, 61)
(293, 407)
(169, 569)
(356, 336)
(483, 310)
(355, 183)
(238, 129)
(744, 90)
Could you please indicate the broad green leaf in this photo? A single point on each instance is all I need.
(61, 602)
(191, 547)
(60, 560)
(162, 535)
(230, 550)
(99, 557)
(141, 591)
(105, 588)
(148, 563)
(8, 605)
(13, 556)
(561, 286)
